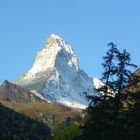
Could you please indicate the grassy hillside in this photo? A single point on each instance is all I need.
(15, 126)
(49, 114)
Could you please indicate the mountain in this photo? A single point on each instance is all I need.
(16, 126)
(97, 83)
(14, 93)
(50, 114)
(56, 75)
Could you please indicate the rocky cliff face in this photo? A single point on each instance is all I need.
(56, 75)
(12, 92)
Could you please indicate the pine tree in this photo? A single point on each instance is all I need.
(106, 117)
(98, 124)
(122, 80)
(109, 71)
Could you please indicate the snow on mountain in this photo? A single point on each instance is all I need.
(56, 75)
(97, 83)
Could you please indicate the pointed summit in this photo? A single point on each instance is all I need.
(53, 40)
(14, 93)
(56, 75)
(50, 56)
(55, 36)
(6, 82)
(56, 41)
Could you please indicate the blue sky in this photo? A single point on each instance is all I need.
(87, 25)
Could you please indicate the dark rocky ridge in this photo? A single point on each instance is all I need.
(12, 92)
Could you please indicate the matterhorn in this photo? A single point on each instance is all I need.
(56, 77)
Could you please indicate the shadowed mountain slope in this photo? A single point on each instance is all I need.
(15, 126)
(12, 92)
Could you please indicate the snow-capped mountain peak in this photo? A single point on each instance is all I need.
(53, 40)
(56, 75)
(46, 58)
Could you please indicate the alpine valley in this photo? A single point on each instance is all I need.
(49, 101)
(51, 93)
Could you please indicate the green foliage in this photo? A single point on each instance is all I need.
(67, 133)
(14, 126)
(69, 129)
(114, 115)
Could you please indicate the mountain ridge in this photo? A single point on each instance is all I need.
(56, 75)
(14, 93)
